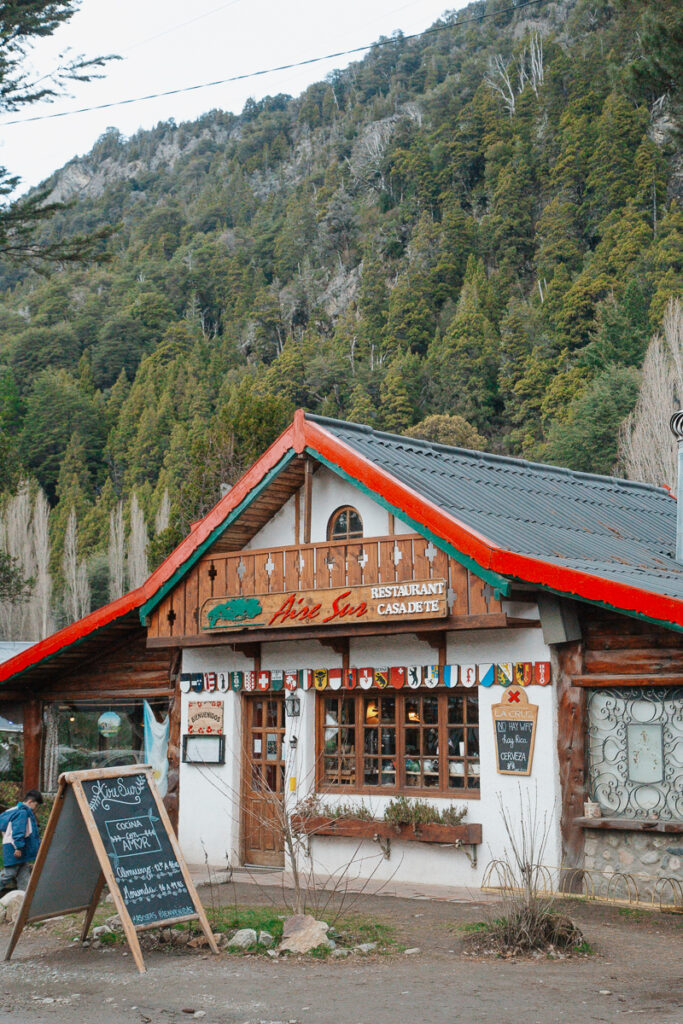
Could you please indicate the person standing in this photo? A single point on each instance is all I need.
(20, 841)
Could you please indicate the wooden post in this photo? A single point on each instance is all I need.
(172, 798)
(308, 497)
(33, 737)
(571, 751)
(90, 913)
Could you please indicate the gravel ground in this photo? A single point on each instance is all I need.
(635, 974)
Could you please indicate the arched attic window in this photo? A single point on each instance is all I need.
(345, 524)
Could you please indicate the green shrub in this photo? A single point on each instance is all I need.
(404, 811)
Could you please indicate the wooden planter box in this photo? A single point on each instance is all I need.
(353, 828)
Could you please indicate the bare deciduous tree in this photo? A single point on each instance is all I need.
(529, 69)
(163, 516)
(647, 448)
(24, 535)
(498, 79)
(76, 585)
(43, 621)
(117, 553)
(138, 540)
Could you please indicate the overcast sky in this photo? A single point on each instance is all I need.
(167, 44)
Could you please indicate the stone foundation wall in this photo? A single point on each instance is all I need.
(629, 865)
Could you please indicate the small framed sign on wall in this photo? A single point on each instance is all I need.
(203, 749)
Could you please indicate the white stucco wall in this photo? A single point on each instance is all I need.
(209, 797)
(329, 491)
(209, 801)
(209, 817)
(540, 791)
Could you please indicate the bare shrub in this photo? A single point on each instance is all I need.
(527, 920)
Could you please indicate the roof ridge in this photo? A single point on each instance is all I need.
(488, 456)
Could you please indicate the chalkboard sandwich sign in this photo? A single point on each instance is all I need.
(109, 826)
(514, 725)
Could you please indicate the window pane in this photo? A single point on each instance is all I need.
(388, 741)
(430, 710)
(355, 522)
(472, 709)
(455, 710)
(388, 709)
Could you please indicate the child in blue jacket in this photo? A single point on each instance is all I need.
(20, 841)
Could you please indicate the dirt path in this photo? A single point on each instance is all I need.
(634, 975)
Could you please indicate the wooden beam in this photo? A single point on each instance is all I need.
(308, 498)
(627, 680)
(434, 638)
(458, 622)
(249, 650)
(571, 751)
(339, 644)
(33, 735)
(631, 825)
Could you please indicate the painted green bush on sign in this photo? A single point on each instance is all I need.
(236, 610)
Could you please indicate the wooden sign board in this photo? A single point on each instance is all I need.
(514, 725)
(109, 826)
(205, 717)
(386, 602)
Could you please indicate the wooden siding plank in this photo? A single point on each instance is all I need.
(261, 577)
(458, 582)
(420, 561)
(387, 568)
(404, 569)
(354, 573)
(307, 576)
(191, 594)
(291, 570)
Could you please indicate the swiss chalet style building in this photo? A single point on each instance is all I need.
(365, 616)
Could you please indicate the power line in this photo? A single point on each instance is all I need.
(270, 71)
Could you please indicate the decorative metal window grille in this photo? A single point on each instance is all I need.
(635, 751)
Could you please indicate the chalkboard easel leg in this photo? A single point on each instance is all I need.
(90, 912)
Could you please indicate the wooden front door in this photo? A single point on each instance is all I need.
(263, 774)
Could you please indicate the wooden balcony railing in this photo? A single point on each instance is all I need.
(323, 566)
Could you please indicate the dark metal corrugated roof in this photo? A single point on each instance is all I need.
(615, 529)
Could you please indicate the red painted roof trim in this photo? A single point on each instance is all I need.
(300, 433)
(485, 552)
(96, 620)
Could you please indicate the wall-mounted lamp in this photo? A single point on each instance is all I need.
(292, 706)
(293, 740)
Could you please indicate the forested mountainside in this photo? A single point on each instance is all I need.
(482, 222)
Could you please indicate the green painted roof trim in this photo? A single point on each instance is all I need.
(499, 583)
(161, 593)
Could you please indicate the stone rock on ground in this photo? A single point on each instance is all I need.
(113, 923)
(265, 939)
(12, 902)
(365, 947)
(242, 939)
(3, 913)
(302, 933)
